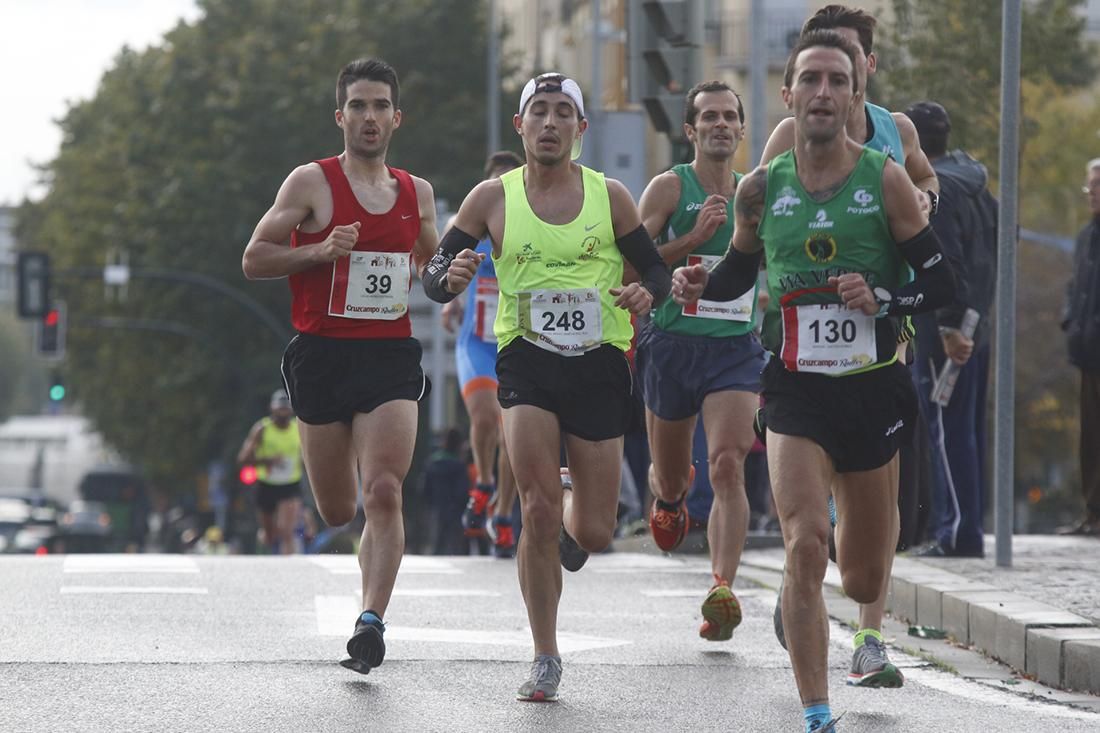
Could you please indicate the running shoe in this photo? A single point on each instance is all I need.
(670, 526)
(872, 668)
(825, 727)
(504, 542)
(777, 615)
(721, 612)
(366, 648)
(759, 426)
(571, 555)
(542, 685)
(476, 512)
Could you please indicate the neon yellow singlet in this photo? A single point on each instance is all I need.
(554, 279)
(284, 445)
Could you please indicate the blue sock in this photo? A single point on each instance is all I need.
(832, 511)
(816, 716)
(370, 617)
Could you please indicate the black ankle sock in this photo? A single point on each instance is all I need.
(669, 507)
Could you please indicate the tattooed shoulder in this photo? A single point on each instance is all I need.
(751, 192)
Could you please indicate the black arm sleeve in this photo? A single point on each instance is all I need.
(734, 275)
(640, 251)
(435, 274)
(934, 285)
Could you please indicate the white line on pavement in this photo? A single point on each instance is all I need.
(129, 564)
(130, 589)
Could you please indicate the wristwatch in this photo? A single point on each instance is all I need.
(933, 201)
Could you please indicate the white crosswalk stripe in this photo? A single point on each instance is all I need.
(103, 564)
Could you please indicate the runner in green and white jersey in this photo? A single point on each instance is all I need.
(702, 359)
(837, 223)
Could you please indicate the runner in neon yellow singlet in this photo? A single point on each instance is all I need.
(560, 233)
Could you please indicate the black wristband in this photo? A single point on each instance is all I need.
(435, 273)
(638, 249)
(733, 275)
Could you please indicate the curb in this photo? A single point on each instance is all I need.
(1057, 648)
(1052, 646)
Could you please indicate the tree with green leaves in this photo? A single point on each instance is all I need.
(174, 159)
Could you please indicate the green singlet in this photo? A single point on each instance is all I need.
(805, 243)
(705, 318)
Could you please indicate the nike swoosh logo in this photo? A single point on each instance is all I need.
(588, 229)
(406, 216)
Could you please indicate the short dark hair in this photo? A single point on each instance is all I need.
(371, 70)
(709, 86)
(502, 159)
(828, 39)
(832, 17)
(933, 126)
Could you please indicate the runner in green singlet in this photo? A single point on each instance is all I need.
(838, 223)
(702, 359)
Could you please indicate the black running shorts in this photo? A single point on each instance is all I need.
(330, 380)
(860, 420)
(592, 394)
(268, 496)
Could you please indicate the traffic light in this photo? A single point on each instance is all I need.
(49, 338)
(669, 36)
(57, 387)
(248, 475)
(32, 284)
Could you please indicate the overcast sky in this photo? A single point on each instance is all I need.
(54, 52)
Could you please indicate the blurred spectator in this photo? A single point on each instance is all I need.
(966, 222)
(446, 485)
(1081, 322)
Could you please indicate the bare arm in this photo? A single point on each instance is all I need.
(428, 241)
(247, 454)
(780, 141)
(454, 264)
(658, 204)
(903, 210)
(736, 272)
(269, 255)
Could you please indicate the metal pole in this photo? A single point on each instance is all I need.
(595, 104)
(758, 72)
(1005, 398)
(492, 84)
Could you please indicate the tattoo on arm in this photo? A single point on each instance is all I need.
(749, 204)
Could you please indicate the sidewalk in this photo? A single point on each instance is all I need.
(1041, 616)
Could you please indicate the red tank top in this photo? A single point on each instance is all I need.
(353, 285)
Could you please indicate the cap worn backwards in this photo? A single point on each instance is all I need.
(549, 83)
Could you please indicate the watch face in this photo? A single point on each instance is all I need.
(882, 295)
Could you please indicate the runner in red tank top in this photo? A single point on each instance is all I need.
(347, 232)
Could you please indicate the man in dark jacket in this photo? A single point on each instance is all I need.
(1081, 322)
(966, 221)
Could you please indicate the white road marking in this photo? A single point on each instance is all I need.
(88, 564)
(130, 589)
(701, 592)
(410, 565)
(444, 593)
(336, 617)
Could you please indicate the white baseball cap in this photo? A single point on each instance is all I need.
(550, 82)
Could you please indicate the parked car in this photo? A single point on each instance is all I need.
(84, 527)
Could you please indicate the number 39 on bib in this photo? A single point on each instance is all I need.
(371, 285)
(827, 339)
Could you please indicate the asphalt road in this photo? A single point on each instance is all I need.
(189, 643)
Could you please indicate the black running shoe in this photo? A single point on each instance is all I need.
(758, 425)
(572, 556)
(366, 648)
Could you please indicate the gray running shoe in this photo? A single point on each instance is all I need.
(777, 615)
(872, 668)
(542, 685)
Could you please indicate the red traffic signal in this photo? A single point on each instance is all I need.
(248, 475)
